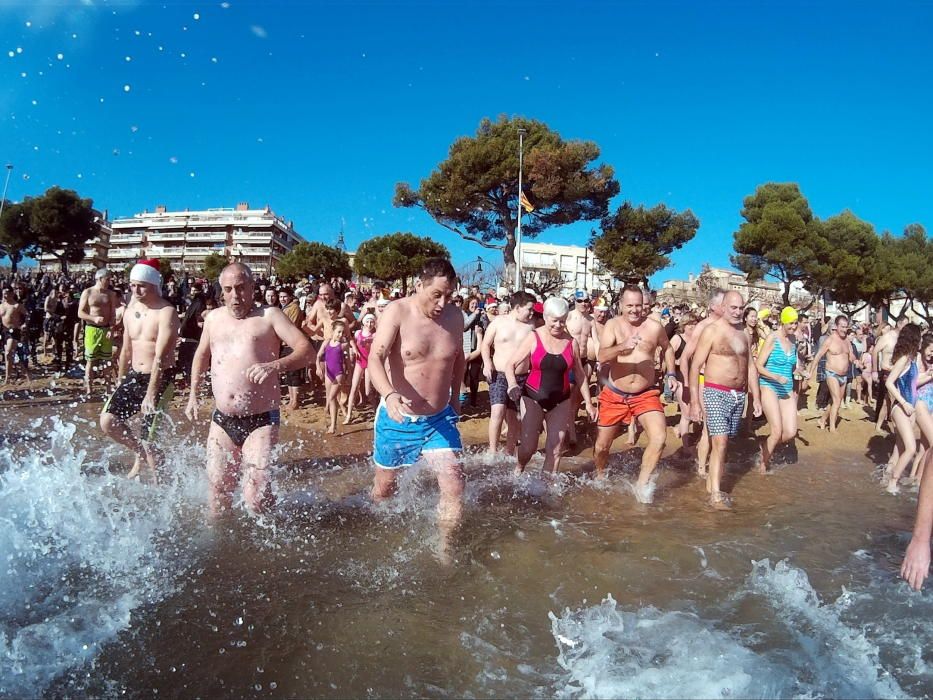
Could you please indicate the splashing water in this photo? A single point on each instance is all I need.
(608, 652)
(81, 552)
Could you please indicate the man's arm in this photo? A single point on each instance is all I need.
(815, 362)
(291, 335)
(667, 350)
(387, 331)
(459, 361)
(84, 308)
(609, 346)
(486, 349)
(126, 353)
(700, 355)
(199, 367)
(916, 566)
(753, 388)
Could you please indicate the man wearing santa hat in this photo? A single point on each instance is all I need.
(146, 368)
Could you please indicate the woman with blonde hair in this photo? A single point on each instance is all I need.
(776, 363)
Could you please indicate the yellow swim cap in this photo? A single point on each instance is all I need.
(788, 315)
(764, 313)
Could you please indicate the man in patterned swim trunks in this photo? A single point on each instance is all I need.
(725, 350)
(503, 335)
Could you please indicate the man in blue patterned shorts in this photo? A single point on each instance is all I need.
(725, 350)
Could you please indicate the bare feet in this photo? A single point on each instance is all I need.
(644, 493)
(720, 501)
(892, 487)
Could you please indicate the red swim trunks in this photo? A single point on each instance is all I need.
(616, 407)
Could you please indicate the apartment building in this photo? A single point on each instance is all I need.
(575, 264)
(257, 237)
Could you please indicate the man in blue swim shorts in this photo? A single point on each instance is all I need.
(420, 338)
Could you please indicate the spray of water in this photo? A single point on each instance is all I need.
(82, 549)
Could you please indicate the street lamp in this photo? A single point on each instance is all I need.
(518, 235)
(9, 171)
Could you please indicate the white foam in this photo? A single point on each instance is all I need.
(609, 653)
(81, 552)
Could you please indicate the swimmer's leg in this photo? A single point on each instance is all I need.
(655, 426)
(770, 405)
(332, 388)
(223, 469)
(118, 431)
(558, 423)
(703, 449)
(450, 481)
(385, 484)
(717, 458)
(515, 429)
(907, 442)
(257, 461)
(531, 432)
(497, 415)
(836, 393)
(605, 436)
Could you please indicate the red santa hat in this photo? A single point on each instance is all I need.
(147, 270)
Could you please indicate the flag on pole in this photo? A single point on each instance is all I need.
(523, 200)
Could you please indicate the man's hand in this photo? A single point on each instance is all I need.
(515, 392)
(261, 371)
(148, 405)
(396, 406)
(696, 411)
(487, 372)
(631, 343)
(756, 408)
(916, 566)
(455, 404)
(592, 411)
(99, 320)
(191, 410)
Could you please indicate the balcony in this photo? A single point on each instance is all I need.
(252, 236)
(252, 252)
(119, 238)
(167, 236)
(207, 236)
(202, 251)
(160, 252)
(125, 253)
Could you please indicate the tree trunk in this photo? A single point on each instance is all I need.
(785, 295)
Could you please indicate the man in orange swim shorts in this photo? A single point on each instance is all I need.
(627, 346)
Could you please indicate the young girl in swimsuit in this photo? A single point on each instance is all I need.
(364, 341)
(902, 388)
(330, 368)
(549, 355)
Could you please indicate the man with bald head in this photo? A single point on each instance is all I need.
(241, 345)
(316, 315)
(713, 315)
(724, 351)
(150, 333)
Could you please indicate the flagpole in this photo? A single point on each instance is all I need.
(518, 236)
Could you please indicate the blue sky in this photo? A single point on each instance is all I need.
(319, 108)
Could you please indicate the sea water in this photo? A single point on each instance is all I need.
(113, 587)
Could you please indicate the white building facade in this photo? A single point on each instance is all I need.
(577, 265)
(257, 237)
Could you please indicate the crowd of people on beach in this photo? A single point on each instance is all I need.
(415, 360)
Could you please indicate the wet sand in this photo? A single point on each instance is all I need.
(572, 589)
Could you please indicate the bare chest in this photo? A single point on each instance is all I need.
(423, 343)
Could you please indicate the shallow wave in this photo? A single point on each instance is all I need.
(83, 549)
(648, 653)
